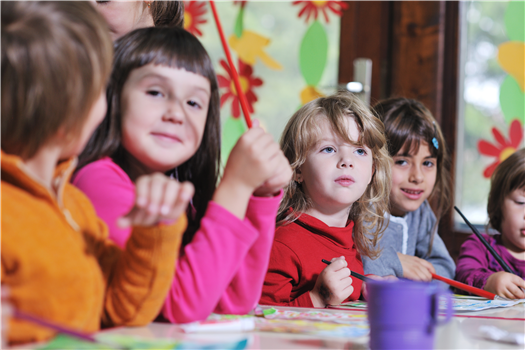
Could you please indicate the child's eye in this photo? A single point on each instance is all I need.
(328, 150)
(361, 152)
(154, 93)
(400, 162)
(194, 103)
(428, 163)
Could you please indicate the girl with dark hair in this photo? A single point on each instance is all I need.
(163, 116)
(410, 246)
(506, 208)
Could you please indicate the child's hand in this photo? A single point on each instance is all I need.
(415, 268)
(282, 174)
(158, 198)
(5, 313)
(255, 159)
(505, 285)
(364, 292)
(333, 285)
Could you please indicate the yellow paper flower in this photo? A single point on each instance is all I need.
(250, 46)
(511, 57)
(310, 93)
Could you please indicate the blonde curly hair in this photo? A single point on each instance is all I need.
(302, 133)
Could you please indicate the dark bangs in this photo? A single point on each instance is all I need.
(177, 48)
(407, 124)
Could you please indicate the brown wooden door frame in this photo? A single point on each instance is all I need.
(414, 47)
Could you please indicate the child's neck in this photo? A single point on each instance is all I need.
(334, 218)
(43, 164)
(512, 249)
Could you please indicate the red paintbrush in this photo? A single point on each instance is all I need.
(470, 289)
(235, 76)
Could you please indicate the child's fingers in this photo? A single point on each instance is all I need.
(170, 196)
(142, 191)
(428, 265)
(183, 196)
(157, 188)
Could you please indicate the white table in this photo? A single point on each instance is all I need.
(460, 333)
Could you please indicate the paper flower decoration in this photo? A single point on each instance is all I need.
(248, 82)
(312, 8)
(250, 47)
(503, 147)
(193, 16)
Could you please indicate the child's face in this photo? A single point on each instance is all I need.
(164, 113)
(335, 173)
(124, 16)
(413, 179)
(513, 223)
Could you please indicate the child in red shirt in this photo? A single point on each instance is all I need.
(338, 153)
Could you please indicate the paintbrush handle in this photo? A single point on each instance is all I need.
(465, 287)
(496, 256)
(234, 75)
(60, 329)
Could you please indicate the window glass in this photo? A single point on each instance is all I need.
(491, 111)
(286, 53)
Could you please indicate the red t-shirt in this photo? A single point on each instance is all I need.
(295, 261)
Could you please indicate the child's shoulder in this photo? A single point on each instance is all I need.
(101, 172)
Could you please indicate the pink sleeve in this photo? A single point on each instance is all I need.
(111, 192)
(207, 265)
(244, 291)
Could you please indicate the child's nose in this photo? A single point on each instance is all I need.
(416, 175)
(174, 112)
(346, 161)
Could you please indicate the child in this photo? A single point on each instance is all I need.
(56, 259)
(125, 16)
(341, 168)
(410, 246)
(506, 209)
(163, 116)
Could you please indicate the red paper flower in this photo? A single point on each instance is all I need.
(503, 148)
(314, 7)
(243, 2)
(193, 16)
(248, 82)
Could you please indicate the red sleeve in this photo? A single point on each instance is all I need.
(283, 273)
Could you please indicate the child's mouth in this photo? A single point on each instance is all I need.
(412, 194)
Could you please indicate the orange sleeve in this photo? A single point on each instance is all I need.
(137, 278)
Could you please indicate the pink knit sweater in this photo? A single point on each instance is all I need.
(221, 270)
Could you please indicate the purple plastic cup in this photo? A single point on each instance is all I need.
(403, 314)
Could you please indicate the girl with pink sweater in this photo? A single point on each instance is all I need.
(163, 117)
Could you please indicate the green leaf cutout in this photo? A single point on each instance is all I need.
(313, 53)
(232, 129)
(514, 20)
(239, 27)
(512, 100)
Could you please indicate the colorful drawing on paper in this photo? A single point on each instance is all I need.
(119, 342)
(459, 303)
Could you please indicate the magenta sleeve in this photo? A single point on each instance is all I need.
(112, 193)
(244, 291)
(207, 265)
(473, 263)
